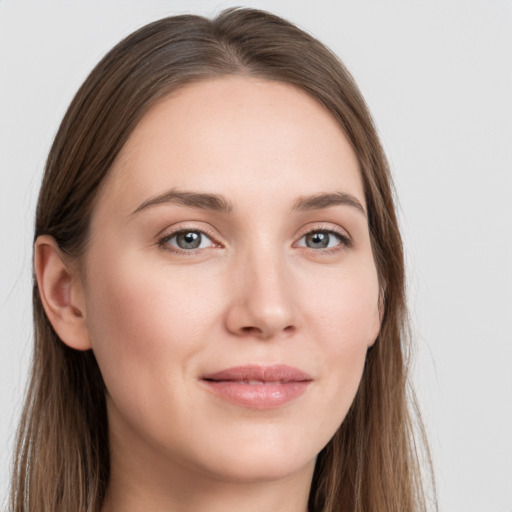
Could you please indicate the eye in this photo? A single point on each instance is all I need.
(187, 240)
(322, 239)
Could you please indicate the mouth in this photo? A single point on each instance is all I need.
(258, 387)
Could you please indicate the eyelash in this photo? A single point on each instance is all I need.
(343, 238)
(344, 241)
(163, 242)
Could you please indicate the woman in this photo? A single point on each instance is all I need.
(219, 297)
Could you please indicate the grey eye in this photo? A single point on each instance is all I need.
(317, 240)
(189, 240)
(320, 240)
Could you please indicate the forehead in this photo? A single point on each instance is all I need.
(235, 136)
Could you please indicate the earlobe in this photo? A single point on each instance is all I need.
(61, 293)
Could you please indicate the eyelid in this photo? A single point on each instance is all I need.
(168, 233)
(323, 226)
(344, 236)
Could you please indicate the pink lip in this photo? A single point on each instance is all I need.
(258, 387)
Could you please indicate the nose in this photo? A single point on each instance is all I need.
(262, 304)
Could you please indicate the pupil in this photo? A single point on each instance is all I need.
(190, 240)
(317, 240)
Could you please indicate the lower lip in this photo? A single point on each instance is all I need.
(258, 396)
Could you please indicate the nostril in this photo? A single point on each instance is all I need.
(256, 331)
(251, 330)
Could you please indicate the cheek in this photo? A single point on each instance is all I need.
(345, 305)
(144, 330)
(143, 307)
(344, 314)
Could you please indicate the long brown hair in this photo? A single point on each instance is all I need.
(62, 458)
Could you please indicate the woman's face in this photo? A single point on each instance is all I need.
(230, 289)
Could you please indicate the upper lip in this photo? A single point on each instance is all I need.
(252, 372)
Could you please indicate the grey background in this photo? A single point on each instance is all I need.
(438, 79)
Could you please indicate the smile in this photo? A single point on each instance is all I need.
(258, 387)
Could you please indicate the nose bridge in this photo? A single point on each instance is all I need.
(270, 287)
(264, 299)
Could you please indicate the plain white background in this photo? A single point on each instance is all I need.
(438, 79)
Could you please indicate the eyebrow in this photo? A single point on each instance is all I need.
(198, 200)
(325, 200)
(219, 203)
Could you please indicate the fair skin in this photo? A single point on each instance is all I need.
(276, 269)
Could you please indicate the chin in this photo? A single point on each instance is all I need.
(265, 460)
(262, 469)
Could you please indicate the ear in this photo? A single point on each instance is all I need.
(61, 292)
